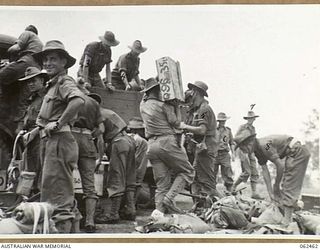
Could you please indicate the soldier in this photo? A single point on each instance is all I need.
(136, 131)
(36, 80)
(121, 179)
(202, 123)
(223, 159)
(59, 109)
(127, 68)
(143, 166)
(290, 171)
(166, 155)
(84, 130)
(248, 161)
(27, 44)
(95, 56)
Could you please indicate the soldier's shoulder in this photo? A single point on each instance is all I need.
(229, 129)
(242, 126)
(66, 79)
(93, 44)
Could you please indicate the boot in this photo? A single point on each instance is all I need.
(254, 194)
(113, 217)
(288, 211)
(64, 227)
(151, 203)
(168, 200)
(130, 210)
(90, 210)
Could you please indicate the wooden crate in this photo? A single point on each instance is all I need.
(170, 79)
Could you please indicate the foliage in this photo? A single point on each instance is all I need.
(311, 132)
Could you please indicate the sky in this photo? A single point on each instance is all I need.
(268, 55)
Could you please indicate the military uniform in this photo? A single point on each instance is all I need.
(121, 179)
(89, 118)
(296, 160)
(32, 151)
(204, 159)
(60, 155)
(130, 65)
(223, 158)
(29, 43)
(248, 161)
(98, 56)
(140, 156)
(165, 154)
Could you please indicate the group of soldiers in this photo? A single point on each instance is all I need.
(65, 128)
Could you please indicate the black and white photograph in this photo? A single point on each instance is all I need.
(160, 121)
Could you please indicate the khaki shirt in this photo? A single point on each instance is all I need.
(113, 124)
(62, 88)
(225, 138)
(159, 117)
(99, 55)
(89, 116)
(248, 146)
(271, 148)
(33, 110)
(129, 64)
(203, 115)
(29, 42)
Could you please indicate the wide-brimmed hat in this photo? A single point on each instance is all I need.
(243, 136)
(109, 39)
(251, 114)
(137, 47)
(222, 117)
(199, 85)
(55, 45)
(135, 123)
(150, 83)
(32, 72)
(95, 97)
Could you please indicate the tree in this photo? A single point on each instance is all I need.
(311, 132)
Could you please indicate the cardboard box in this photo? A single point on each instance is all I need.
(170, 79)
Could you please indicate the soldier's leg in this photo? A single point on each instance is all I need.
(226, 171)
(254, 177)
(245, 168)
(204, 168)
(130, 212)
(293, 176)
(175, 157)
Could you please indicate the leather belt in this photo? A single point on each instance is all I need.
(65, 128)
(154, 137)
(84, 131)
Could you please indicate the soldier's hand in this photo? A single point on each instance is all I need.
(50, 127)
(22, 132)
(182, 125)
(128, 87)
(87, 85)
(80, 80)
(109, 86)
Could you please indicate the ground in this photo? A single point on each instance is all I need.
(143, 216)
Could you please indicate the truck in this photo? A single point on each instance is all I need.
(12, 106)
